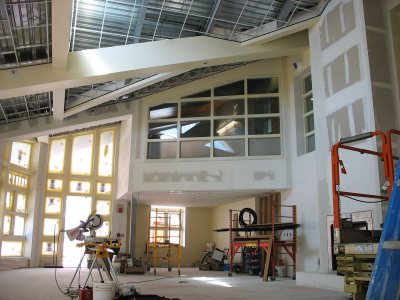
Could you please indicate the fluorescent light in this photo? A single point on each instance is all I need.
(228, 126)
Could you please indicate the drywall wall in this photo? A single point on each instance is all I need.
(386, 115)
(220, 219)
(197, 233)
(124, 156)
(343, 107)
(303, 172)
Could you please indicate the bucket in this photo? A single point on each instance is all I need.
(226, 265)
(104, 290)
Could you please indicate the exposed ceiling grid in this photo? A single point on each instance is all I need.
(26, 31)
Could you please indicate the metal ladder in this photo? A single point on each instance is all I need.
(385, 279)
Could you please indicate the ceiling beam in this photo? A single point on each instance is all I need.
(61, 24)
(140, 60)
(281, 33)
(58, 104)
(140, 21)
(61, 11)
(120, 92)
(286, 9)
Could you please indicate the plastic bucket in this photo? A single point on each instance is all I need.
(104, 290)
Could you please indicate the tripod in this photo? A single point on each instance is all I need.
(102, 254)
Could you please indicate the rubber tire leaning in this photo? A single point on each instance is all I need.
(249, 210)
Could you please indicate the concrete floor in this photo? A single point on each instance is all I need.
(39, 283)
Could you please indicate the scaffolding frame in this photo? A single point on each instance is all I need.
(163, 241)
(262, 242)
(284, 247)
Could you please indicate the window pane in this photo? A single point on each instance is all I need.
(81, 158)
(174, 237)
(263, 85)
(18, 180)
(56, 159)
(229, 127)
(103, 188)
(228, 107)
(11, 249)
(192, 149)
(9, 197)
(19, 225)
(195, 129)
(307, 84)
(53, 205)
(269, 146)
(106, 153)
(48, 248)
(163, 111)
(20, 154)
(51, 226)
(54, 185)
(265, 105)
(104, 231)
(228, 148)
(7, 225)
(21, 203)
(236, 88)
(162, 131)
(195, 109)
(264, 125)
(103, 207)
(308, 103)
(309, 123)
(310, 143)
(79, 186)
(162, 150)
(206, 93)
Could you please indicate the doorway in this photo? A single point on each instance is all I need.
(77, 209)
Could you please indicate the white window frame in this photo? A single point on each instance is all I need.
(307, 114)
(212, 118)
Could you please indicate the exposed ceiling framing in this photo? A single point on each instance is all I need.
(27, 34)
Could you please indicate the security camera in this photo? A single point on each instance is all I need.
(298, 64)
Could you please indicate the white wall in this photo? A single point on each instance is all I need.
(343, 107)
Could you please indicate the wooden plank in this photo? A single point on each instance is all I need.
(266, 265)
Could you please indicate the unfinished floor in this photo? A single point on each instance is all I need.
(39, 283)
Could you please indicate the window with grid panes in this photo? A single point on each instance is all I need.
(16, 190)
(237, 119)
(308, 105)
(82, 164)
(166, 225)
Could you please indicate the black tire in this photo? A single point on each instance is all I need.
(272, 278)
(230, 274)
(250, 211)
(169, 269)
(294, 277)
(179, 273)
(148, 268)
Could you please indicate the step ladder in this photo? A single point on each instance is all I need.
(385, 279)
